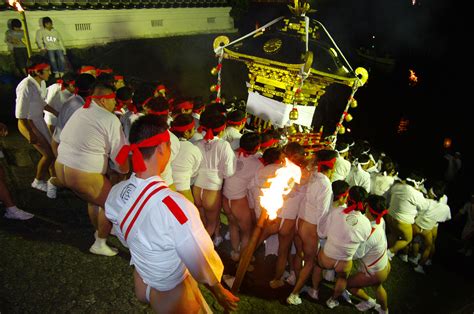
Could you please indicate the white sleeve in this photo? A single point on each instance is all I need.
(22, 102)
(116, 140)
(195, 248)
(229, 161)
(197, 161)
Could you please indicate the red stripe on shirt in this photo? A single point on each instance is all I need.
(175, 209)
(151, 184)
(378, 259)
(140, 209)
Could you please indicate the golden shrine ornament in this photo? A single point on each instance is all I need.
(273, 45)
(294, 114)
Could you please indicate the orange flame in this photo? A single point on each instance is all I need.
(413, 78)
(16, 4)
(272, 197)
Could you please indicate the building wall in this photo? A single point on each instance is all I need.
(82, 28)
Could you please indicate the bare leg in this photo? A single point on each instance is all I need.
(197, 191)
(285, 238)
(309, 236)
(406, 233)
(93, 211)
(212, 202)
(233, 226)
(381, 296)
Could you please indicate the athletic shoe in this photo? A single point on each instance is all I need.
(276, 283)
(346, 295)
(379, 310)
(40, 185)
(103, 250)
(390, 254)
(50, 190)
(218, 240)
(293, 299)
(332, 303)
(419, 269)
(429, 262)
(404, 258)
(313, 293)
(291, 280)
(414, 260)
(366, 305)
(16, 213)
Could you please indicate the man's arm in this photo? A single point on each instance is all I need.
(196, 250)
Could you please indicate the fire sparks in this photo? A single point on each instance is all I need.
(272, 197)
(413, 79)
(16, 4)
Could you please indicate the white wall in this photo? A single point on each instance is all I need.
(110, 25)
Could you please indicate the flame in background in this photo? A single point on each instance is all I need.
(413, 78)
(16, 4)
(272, 197)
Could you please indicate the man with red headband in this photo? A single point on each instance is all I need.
(29, 112)
(92, 136)
(56, 96)
(372, 260)
(185, 166)
(84, 86)
(170, 249)
(235, 123)
(218, 163)
(345, 230)
(315, 205)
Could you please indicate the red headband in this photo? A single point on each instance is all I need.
(237, 122)
(137, 157)
(342, 195)
(39, 67)
(329, 163)
(61, 82)
(197, 109)
(186, 105)
(100, 71)
(160, 88)
(355, 206)
(246, 153)
(269, 143)
(378, 215)
(87, 68)
(210, 132)
(183, 128)
(87, 104)
(118, 77)
(158, 113)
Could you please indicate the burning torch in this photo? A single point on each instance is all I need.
(16, 4)
(270, 201)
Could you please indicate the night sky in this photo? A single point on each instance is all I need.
(422, 37)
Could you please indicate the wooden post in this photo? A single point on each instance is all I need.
(248, 252)
(25, 31)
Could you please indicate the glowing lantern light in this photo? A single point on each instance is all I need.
(447, 142)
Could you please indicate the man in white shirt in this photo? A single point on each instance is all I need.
(92, 136)
(358, 176)
(169, 245)
(342, 166)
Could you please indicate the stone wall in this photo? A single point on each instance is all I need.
(82, 28)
